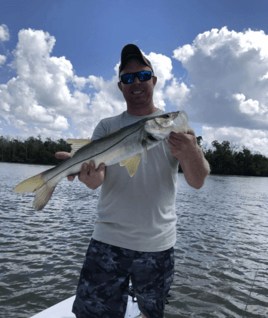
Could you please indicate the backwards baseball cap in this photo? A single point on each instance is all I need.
(131, 51)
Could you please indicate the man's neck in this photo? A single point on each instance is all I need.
(142, 111)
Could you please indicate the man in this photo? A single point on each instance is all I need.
(135, 231)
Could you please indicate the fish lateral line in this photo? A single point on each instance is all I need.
(99, 153)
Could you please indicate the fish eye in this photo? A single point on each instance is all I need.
(166, 116)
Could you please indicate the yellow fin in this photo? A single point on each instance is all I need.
(31, 184)
(42, 195)
(131, 164)
(77, 144)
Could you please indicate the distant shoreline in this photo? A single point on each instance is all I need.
(224, 158)
(214, 174)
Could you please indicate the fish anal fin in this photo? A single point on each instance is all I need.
(42, 195)
(77, 144)
(131, 164)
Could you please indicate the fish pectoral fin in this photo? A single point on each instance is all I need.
(77, 144)
(131, 164)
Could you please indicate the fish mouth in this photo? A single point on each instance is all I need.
(151, 137)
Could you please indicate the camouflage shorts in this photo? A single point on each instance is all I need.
(103, 285)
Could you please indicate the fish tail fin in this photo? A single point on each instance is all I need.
(43, 190)
(31, 184)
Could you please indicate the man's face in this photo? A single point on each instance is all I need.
(146, 88)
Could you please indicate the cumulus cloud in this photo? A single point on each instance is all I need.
(39, 96)
(4, 36)
(229, 76)
(228, 71)
(4, 33)
(175, 92)
(48, 98)
(2, 60)
(226, 90)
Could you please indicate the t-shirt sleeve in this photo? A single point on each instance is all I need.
(99, 131)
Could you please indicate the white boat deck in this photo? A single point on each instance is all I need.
(64, 310)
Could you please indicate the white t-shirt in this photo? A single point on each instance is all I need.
(138, 213)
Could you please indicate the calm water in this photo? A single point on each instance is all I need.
(222, 244)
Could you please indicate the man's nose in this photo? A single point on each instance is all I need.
(136, 80)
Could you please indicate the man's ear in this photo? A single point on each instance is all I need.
(154, 80)
(120, 86)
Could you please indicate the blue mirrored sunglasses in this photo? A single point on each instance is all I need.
(142, 76)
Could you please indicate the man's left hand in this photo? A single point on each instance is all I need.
(182, 144)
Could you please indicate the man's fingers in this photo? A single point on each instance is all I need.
(190, 132)
(88, 171)
(177, 135)
(101, 169)
(84, 172)
(62, 155)
(92, 166)
(71, 177)
(84, 167)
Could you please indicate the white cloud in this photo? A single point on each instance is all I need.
(249, 106)
(177, 93)
(222, 65)
(229, 75)
(2, 59)
(79, 82)
(4, 33)
(39, 96)
(228, 95)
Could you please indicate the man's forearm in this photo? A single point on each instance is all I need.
(195, 168)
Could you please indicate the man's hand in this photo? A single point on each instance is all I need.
(182, 145)
(193, 163)
(90, 176)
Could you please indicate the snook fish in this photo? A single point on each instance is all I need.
(124, 146)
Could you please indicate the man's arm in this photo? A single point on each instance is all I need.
(193, 163)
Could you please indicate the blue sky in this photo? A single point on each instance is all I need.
(59, 60)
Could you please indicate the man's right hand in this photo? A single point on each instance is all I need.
(90, 176)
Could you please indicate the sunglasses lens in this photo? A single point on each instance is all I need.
(129, 78)
(144, 76)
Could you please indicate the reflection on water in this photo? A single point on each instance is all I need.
(221, 246)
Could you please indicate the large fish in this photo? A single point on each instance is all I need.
(124, 146)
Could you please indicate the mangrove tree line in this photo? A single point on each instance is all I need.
(223, 158)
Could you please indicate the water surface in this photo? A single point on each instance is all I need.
(222, 243)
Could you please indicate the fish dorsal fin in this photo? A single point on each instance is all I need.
(131, 164)
(77, 144)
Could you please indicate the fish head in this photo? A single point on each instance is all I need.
(159, 128)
